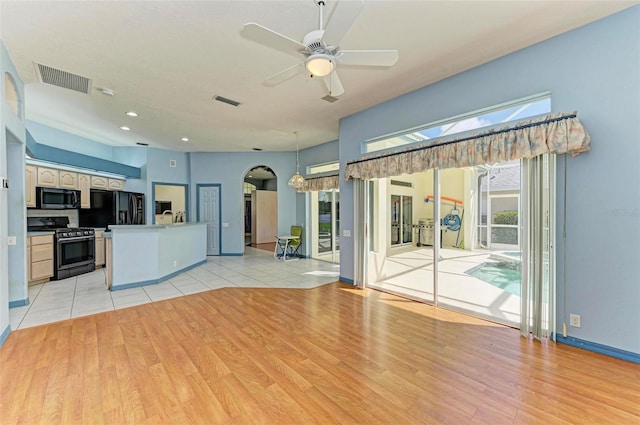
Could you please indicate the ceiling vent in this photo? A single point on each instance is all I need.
(64, 79)
(329, 98)
(225, 100)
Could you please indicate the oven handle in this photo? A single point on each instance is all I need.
(77, 238)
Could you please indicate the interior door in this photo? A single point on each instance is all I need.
(209, 212)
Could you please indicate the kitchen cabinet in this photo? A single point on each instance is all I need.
(30, 185)
(47, 177)
(99, 249)
(84, 185)
(116, 184)
(68, 179)
(40, 258)
(99, 182)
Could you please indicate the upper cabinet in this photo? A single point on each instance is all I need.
(47, 177)
(84, 185)
(68, 179)
(30, 184)
(99, 182)
(116, 184)
(52, 177)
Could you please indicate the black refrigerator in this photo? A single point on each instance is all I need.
(113, 207)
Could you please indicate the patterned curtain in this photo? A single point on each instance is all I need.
(315, 184)
(555, 133)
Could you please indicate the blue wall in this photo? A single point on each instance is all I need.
(594, 70)
(229, 169)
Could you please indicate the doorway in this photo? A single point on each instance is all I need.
(325, 225)
(450, 237)
(260, 207)
(209, 211)
(170, 203)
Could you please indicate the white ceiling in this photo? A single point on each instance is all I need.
(167, 59)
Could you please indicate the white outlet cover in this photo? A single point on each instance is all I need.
(11, 240)
(346, 233)
(225, 224)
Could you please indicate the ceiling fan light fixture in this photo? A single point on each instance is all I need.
(320, 64)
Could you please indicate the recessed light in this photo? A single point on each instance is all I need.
(185, 139)
(107, 92)
(249, 176)
(132, 114)
(125, 128)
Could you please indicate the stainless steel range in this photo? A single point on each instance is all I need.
(74, 247)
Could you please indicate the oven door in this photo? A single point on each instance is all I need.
(73, 252)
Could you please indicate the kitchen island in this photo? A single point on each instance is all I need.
(139, 255)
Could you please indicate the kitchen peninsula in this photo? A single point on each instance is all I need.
(139, 255)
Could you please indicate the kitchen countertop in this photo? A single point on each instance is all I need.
(40, 233)
(152, 226)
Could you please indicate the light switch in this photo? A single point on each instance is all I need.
(346, 233)
(225, 224)
(11, 240)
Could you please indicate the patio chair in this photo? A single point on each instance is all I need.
(291, 245)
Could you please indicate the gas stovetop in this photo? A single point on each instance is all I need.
(60, 225)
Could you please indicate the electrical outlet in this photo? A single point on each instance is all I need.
(11, 240)
(574, 320)
(175, 264)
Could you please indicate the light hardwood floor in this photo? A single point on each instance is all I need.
(332, 354)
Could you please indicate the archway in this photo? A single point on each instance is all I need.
(260, 207)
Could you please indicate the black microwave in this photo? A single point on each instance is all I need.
(51, 198)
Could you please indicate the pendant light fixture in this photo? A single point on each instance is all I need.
(297, 181)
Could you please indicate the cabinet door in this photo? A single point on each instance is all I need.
(29, 259)
(47, 177)
(30, 185)
(99, 250)
(98, 182)
(115, 184)
(84, 184)
(68, 180)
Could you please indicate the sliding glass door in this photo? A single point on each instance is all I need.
(325, 225)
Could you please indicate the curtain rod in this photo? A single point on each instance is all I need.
(465, 139)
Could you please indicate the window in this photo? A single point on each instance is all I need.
(500, 114)
(323, 168)
(248, 188)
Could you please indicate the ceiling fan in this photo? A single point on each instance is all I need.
(320, 58)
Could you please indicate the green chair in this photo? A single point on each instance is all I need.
(291, 246)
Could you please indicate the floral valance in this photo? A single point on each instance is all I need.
(313, 184)
(555, 133)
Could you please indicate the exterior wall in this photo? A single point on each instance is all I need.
(594, 70)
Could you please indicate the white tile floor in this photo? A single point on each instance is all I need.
(410, 273)
(86, 294)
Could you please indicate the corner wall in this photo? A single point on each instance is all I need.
(594, 70)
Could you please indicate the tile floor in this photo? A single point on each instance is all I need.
(410, 273)
(86, 294)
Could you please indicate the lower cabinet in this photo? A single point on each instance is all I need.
(99, 249)
(39, 258)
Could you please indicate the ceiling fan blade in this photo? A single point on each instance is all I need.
(333, 83)
(368, 57)
(284, 75)
(341, 18)
(267, 37)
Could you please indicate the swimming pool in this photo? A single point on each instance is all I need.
(501, 274)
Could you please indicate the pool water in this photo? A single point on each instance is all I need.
(504, 275)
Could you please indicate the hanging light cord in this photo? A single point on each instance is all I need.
(297, 150)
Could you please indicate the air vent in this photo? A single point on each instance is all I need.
(329, 98)
(64, 79)
(225, 100)
(401, 183)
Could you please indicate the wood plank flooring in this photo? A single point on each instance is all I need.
(328, 355)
